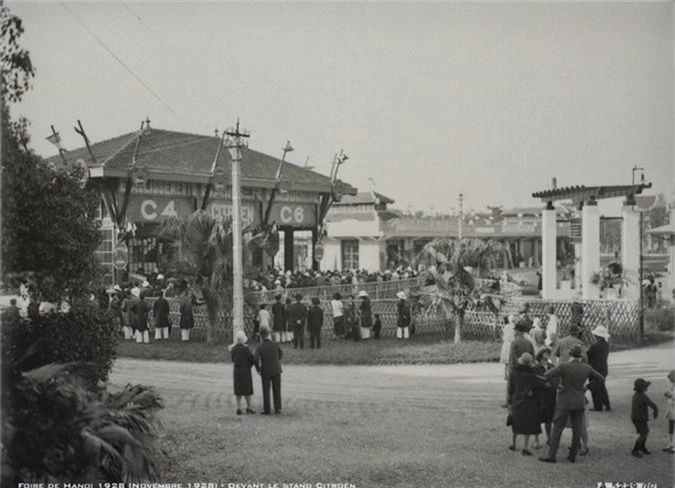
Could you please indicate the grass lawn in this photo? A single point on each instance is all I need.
(423, 349)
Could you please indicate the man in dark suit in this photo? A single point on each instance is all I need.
(597, 359)
(297, 317)
(268, 364)
(570, 402)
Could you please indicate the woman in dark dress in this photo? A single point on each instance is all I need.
(187, 318)
(524, 401)
(547, 395)
(243, 361)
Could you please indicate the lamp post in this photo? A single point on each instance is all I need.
(236, 141)
(641, 302)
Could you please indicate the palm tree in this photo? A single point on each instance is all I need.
(200, 251)
(450, 288)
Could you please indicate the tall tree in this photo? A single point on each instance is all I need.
(451, 289)
(49, 222)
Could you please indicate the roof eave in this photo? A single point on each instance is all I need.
(105, 172)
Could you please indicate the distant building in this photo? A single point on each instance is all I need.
(364, 233)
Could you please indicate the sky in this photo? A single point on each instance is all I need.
(428, 100)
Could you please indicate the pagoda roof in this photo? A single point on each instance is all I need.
(581, 193)
(178, 156)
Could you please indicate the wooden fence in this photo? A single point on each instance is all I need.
(621, 317)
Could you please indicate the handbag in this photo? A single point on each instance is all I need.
(509, 420)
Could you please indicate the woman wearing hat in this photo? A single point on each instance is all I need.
(597, 359)
(403, 311)
(366, 314)
(524, 401)
(242, 361)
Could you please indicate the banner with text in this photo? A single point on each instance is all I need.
(294, 214)
(250, 211)
(158, 209)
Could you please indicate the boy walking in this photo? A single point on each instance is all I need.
(639, 414)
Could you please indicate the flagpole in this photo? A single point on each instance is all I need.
(57, 143)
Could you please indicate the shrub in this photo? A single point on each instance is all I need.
(56, 429)
(81, 335)
(662, 319)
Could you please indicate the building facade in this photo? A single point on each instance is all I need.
(363, 233)
(148, 176)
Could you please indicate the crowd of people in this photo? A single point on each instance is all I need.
(133, 313)
(547, 379)
(352, 316)
(280, 280)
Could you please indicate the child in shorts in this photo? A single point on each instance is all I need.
(639, 414)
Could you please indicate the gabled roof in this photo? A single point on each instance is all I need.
(364, 198)
(171, 155)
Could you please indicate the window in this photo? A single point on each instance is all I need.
(350, 254)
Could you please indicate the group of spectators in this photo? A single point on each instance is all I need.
(352, 319)
(547, 378)
(131, 311)
(280, 280)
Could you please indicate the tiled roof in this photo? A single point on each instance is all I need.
(365, 197)
(581, 192)
(169, 153)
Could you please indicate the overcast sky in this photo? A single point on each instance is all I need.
(430, 100)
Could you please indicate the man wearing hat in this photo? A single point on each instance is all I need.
(597, 359)
(571, 401)
(403, 330)
(567, 343)
(297, 316)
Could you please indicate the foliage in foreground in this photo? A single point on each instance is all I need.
(81, 335)
(55, 430)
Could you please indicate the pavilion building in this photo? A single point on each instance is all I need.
(149, 175)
